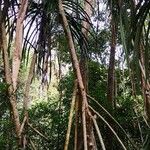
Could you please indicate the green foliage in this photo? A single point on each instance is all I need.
(3, 88)
(3, 98)
(49, 118)
(6, 136)
(98, 45)
(66, 86)
(97, 81)
(63, 49)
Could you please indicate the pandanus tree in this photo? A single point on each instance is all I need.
(16, 61)
(43, 24)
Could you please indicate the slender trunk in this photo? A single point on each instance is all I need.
(18, 43)
(133, 89)
(144, 83)
(77, 71)
(71, 116)
(26, 101)
(83, 68)
(111, 70)
(28, 82)
(84, 71)
(7, 68)
(85, 31)
(111, 81)
(147, 100)
(12, 97)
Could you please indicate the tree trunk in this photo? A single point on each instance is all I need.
(84, 71)
(111, 81)
(77, 71)
(111, 69)
(144, 83)
(12, 97)
(26, 101)
(18, 43)
(7, 68)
